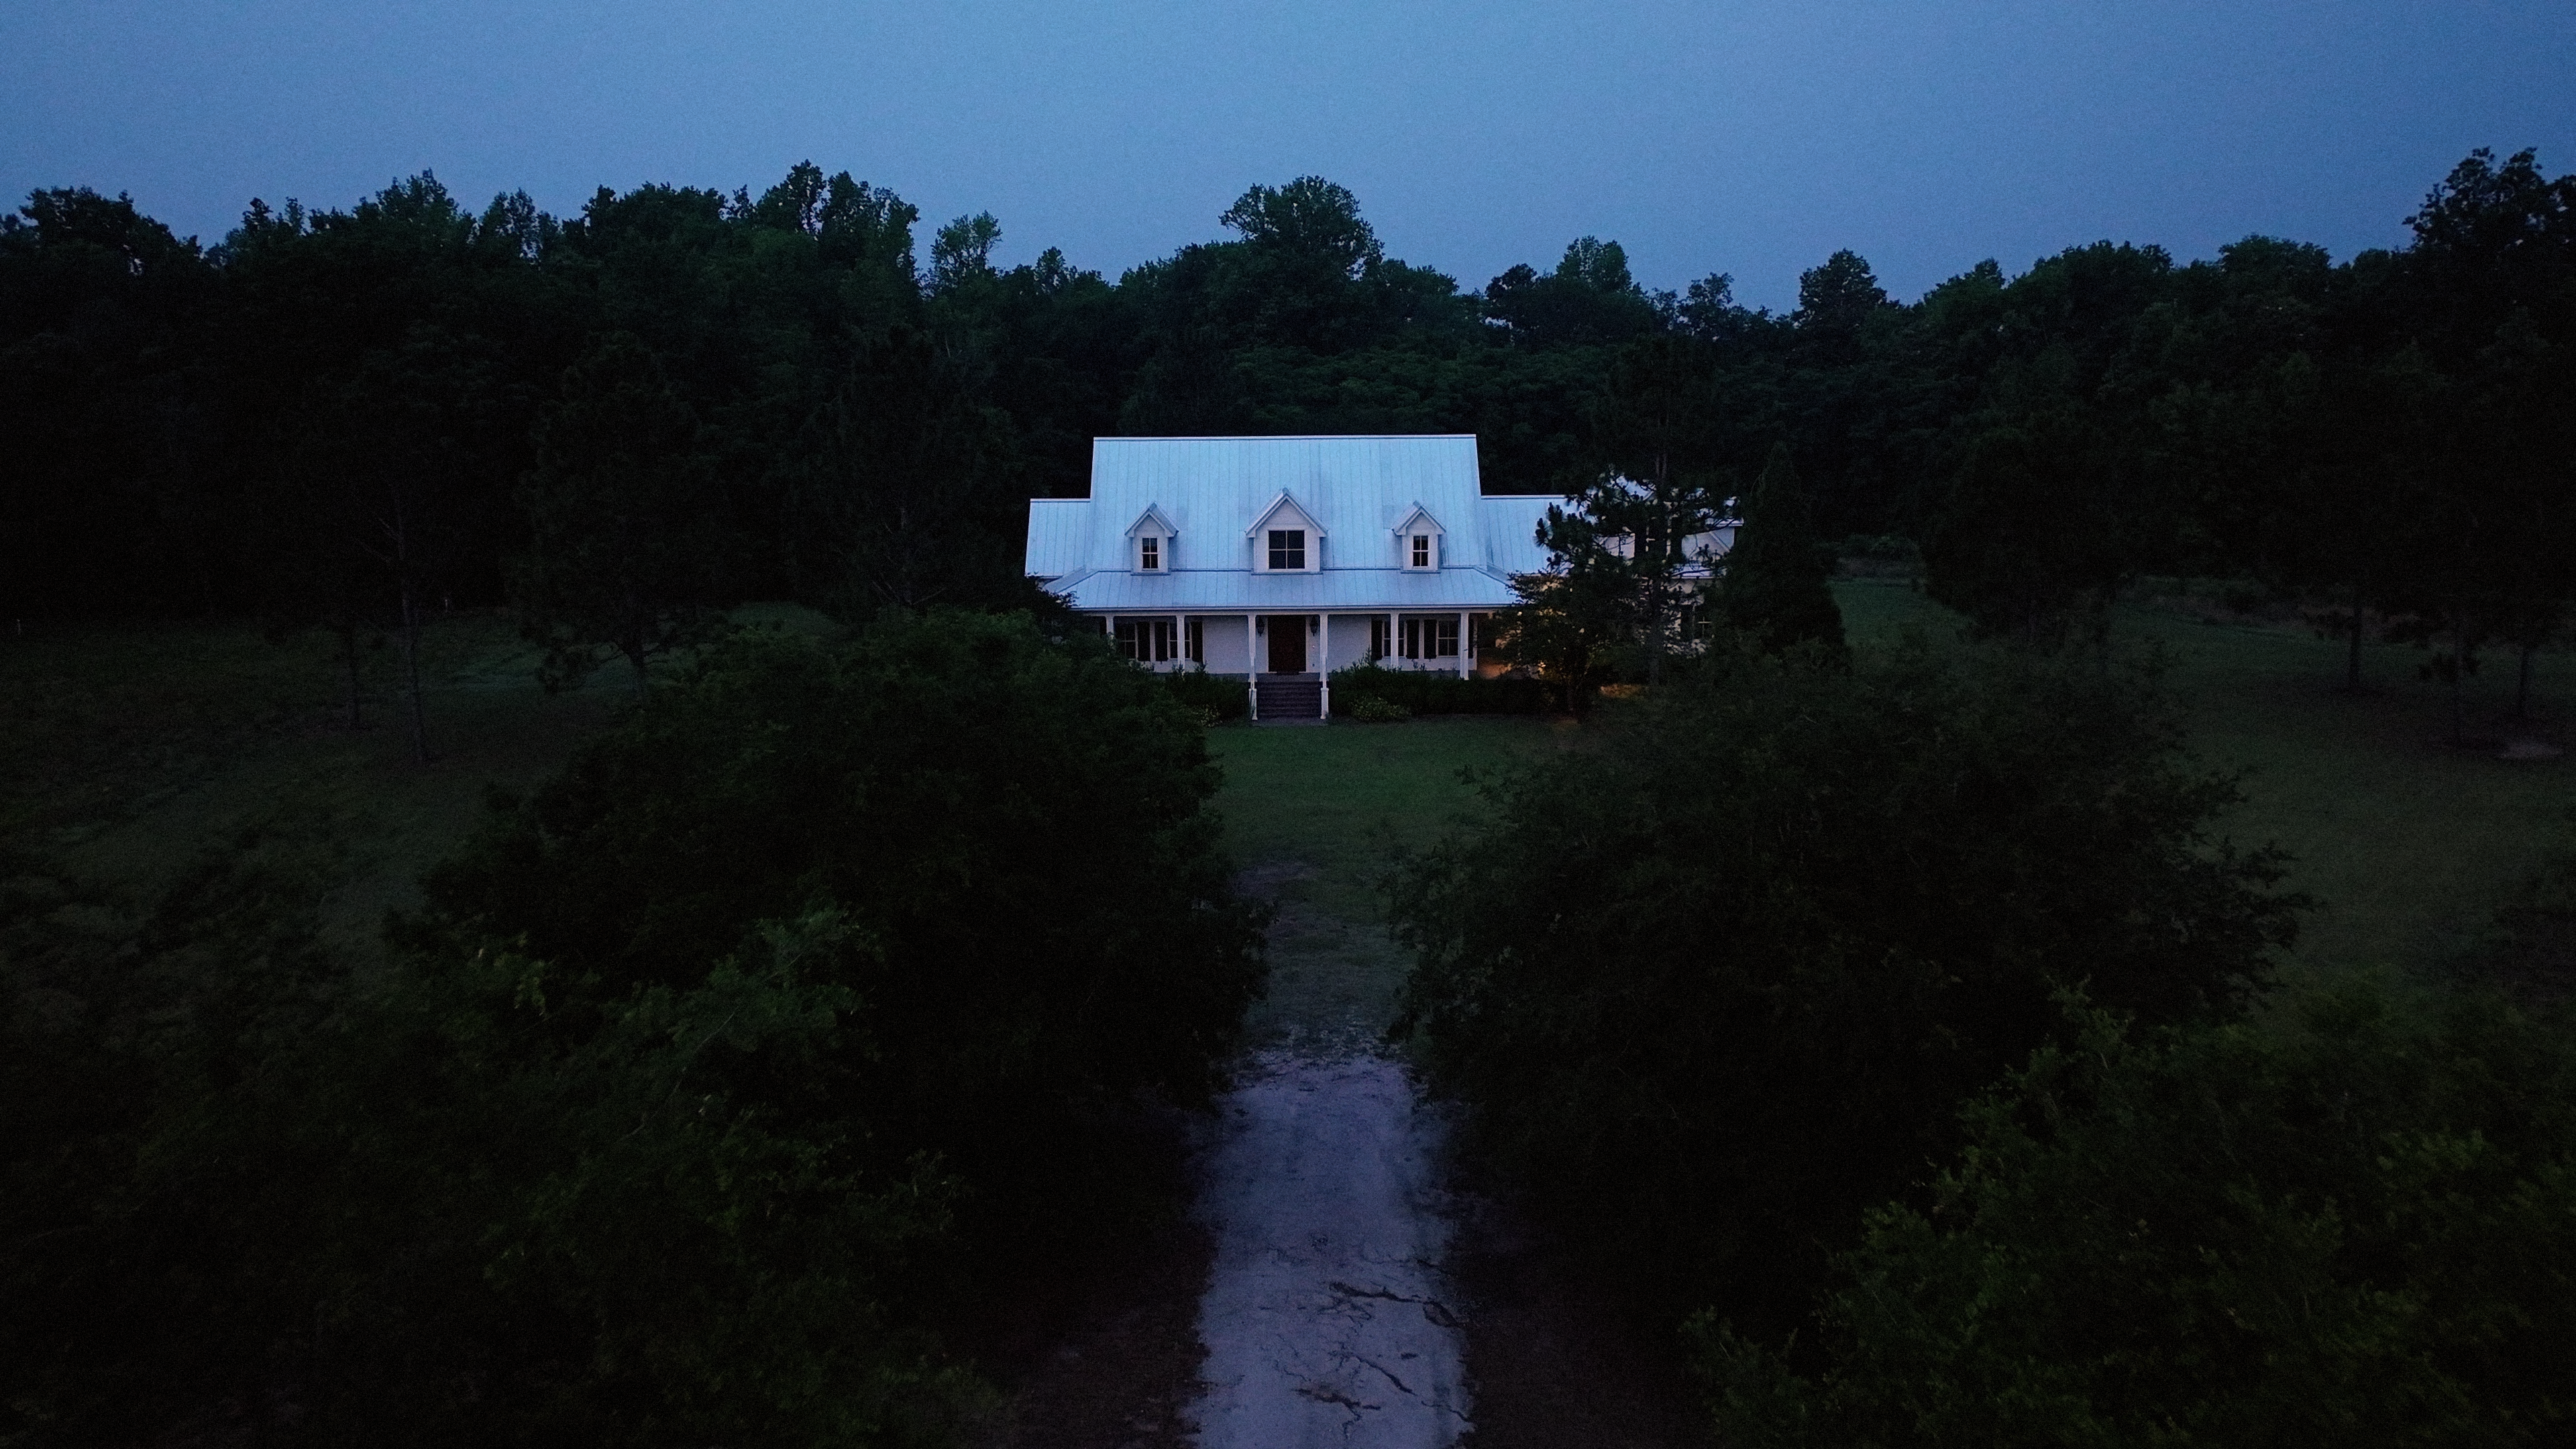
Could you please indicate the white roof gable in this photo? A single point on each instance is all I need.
(1152, 521)
(1283, 511)
(1417, 511)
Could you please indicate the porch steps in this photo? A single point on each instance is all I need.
(1286, 697)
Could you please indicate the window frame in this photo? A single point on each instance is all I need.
(1285, 551)
(1146, 639)
(1428, 636)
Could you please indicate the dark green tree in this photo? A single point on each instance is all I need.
(627, 538)
(1773, 585)
(2354, 1221)
(1654, 440)
(907, 495)
(1718, 983)
(2028, 542)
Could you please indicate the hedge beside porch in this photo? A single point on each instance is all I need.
(1428, 693)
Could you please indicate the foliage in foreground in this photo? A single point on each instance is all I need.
(1719, 983)
(718, 1066)
(2352, 1223)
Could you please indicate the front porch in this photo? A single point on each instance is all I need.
(1251, 645)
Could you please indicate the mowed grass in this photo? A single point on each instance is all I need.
(2407, 844)
(1315, 816)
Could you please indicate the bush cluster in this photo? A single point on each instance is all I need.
(1428, 692)
(814, 994)
(2352, 1220)
(1719, 984)
(1211, 698)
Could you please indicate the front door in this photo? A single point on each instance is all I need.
(1287, 643)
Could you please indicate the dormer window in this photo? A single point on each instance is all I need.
(1417, 539)
(1150, 540)
(1285, 539)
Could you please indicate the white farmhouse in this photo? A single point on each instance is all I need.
(1281, 559)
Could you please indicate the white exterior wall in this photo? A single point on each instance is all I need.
(1229, 644)
(1347, 643)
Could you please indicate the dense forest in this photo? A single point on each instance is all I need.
(681, 398)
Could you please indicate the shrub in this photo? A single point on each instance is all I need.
(930, 779)
(1879, 556)
(1370, 709)
(1208, 697)
(1719, 983)
(2354, 1222)
(1427, 692)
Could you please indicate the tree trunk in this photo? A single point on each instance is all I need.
(411, 674)
(349, 660)
(2459, 667)
(2352, 657)
(401, 529)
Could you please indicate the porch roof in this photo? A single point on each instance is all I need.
(1240, 591)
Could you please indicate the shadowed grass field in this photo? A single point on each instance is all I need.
(133, 753)
(1313, 817)
(2407, 844)
(128, 752)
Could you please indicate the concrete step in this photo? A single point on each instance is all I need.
(1290, 698)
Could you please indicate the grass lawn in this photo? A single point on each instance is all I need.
(2407, 844)
(1312, 817)
(129, 753)
(132, 752)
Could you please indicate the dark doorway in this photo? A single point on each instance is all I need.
(1287, 643)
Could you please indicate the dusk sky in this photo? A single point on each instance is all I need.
(1750, 138)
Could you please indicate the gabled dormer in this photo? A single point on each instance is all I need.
(1417, 540)
(1150, 541)
(1286, 539)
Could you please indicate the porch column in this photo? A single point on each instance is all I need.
(1324, 666)
(1180, 643)
(1251, 644)
(1463, 670)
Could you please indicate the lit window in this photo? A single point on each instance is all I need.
(1422, 550)
(1287, 548)
(1149, 553)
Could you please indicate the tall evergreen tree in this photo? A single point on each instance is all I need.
(1774, 587)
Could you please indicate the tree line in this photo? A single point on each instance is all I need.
(625, 419)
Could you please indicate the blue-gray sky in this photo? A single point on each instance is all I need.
(1752, 138)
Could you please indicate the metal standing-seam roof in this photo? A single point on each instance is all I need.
(1356, 489)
